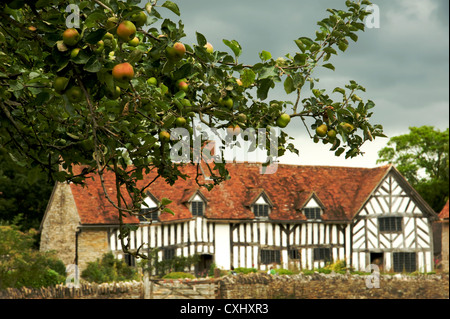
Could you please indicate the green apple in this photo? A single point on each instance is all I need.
(134, 42)
(283, 120)
(139, 19)
(242, 118)
(180, 121)
(152, 81)
(182, 85)
(99, 47)
(126, 31)
(164, 136)
(322, 130)
(347, 127)
(74, 53)
(227, 102)
(60, 84)
(114, 95)
(74, 94)
(331, 134)
(209, 48)
(71, 37)
(176, 52)
(111, 24)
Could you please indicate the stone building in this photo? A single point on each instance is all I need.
(300, 216)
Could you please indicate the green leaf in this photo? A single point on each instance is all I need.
(165, 201)
(168, 210)
(353, 36)
(330, 50)
(268, 72)
(329, 66)
(93, 65)
(339, 151)
(234, 46)
(300, 58)
(201, 40)
(339, 90)
(172, 7)
(289, 85)
(264, 55)
(135, 56)
(263, 88)
(248, 77)
(183, 72)
(94, 37)
(92, 19)
(343, 46)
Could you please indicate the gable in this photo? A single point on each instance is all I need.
(394, 195)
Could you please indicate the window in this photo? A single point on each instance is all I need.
(322, 254)
(261, 210)
(168, 253)
(147, 215)
(270, 256)
(197, 208)
(294, 253)
(312, 213)
(404, 262)
(130, 260)
(390, 224)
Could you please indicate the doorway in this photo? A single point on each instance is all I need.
(377, 259)
(204, 264)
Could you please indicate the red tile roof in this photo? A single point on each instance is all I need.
(444, 212)
(342, 191)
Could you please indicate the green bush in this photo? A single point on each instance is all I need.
(23, 266)
(108, 269)
(242, 270)
(284, 272)
(178, 275)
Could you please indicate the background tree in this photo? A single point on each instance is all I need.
(422, 156)
(23, 266)
(106, 93)
(24, 194)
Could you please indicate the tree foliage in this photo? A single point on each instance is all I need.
(23, 266)
(422, 156)
(24, 194)
(108, 269)
(65, 101)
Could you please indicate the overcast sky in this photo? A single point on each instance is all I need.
(404, 64)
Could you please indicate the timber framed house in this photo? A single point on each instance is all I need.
(300, 216)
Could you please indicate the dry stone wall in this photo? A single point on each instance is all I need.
(332, 286)
(253, 286)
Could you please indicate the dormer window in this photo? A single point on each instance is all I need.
(148, 211)
(261, 207)
(261, 210)
(197, 206)
(312, 213)
(313, 208)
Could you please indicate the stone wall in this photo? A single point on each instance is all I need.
(182, 289)
(60, 224)
(92, 244)
(253, 286)
(335, 286)
(122, 290)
